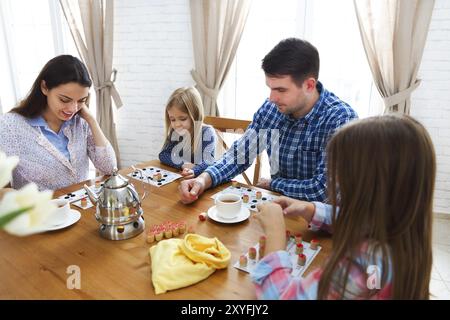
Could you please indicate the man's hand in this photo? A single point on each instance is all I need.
(293, 207)
(190, 190)
(264, 183)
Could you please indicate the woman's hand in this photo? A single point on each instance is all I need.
(293, 207)
(271, 218)
(86, 114)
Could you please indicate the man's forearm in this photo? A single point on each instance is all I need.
(206, 178)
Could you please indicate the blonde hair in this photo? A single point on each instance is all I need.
(187, 100)
(381, 174)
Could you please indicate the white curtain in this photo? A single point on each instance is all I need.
(217, 27)
(393, 33)
(91, 24)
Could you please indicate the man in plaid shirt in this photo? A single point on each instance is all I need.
(293, 125)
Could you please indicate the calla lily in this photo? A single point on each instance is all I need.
(7, 164)
(26, 210)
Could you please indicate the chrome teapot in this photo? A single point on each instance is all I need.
(118, 208)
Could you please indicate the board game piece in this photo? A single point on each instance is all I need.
(159, 235)
(298, 248)
(262, 241)
(243, 261)
(202, 216)
(297, 270)
(261, 251)
(252, 253)
(83, 202)
(314, 244)
(298, 238)
(234, 183)
(168, 233)
(182, 227)
(248, 196)
(150, 237)
(258, 195)
(301, 260)
(154, 176)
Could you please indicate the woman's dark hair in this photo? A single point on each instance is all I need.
(59, 70)
(294, 57)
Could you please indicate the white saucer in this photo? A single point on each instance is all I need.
(242, 215)
(72, 217)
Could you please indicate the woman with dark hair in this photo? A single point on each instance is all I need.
(52, 130)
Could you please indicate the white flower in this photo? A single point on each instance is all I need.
(33, 220)
(7, 164)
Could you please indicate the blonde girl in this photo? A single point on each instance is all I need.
(189, 144)
(381, 174)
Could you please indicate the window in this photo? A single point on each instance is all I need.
(32, 32)
(329, 25)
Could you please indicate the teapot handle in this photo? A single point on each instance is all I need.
(143, 183)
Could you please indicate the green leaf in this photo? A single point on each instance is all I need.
(5, 219)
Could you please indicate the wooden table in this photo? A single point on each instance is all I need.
(35, 267)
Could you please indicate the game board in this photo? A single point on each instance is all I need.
(147, 175)
(76, 196)
(297, 271)
(253, 201)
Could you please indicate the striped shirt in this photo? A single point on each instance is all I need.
(273, 279)
(296, 147)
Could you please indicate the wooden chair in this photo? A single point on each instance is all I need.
(224, 125)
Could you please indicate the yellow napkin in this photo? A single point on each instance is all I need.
(178, 263)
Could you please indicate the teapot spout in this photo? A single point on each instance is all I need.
(92, 195)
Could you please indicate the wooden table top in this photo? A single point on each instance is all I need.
(35, 267)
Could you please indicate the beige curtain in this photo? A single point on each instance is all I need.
(217, 27)
(91, 24)
(393, 33)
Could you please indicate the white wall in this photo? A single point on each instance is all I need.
(431, 101)
(153, 53)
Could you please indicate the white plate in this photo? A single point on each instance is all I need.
(72, 217)
(243, 215)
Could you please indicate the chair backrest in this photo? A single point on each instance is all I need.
(223, 125)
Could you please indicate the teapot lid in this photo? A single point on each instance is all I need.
(115, 181)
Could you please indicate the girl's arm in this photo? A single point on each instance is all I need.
(165, 156)
(208, 150)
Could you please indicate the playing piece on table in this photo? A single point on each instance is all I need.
(300, 261)
(80, 198)
(155, 176)
(250, 197)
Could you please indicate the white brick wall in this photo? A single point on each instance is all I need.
(431, 101)
(153, 53)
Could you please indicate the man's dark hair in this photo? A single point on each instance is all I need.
(294, 57)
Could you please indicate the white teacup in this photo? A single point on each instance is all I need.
(228, 205)
(60, 214)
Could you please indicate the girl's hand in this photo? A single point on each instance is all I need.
(188, 165)
(293, 207)
(187, 173)
(271, 218)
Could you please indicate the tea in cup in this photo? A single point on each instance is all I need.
(228, 205)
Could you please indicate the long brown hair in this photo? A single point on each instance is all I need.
(381, 174)
(187, 100)
(59, 70)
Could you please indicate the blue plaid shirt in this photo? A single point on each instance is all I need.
(297, 152)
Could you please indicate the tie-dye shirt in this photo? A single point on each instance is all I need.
(273, 279)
